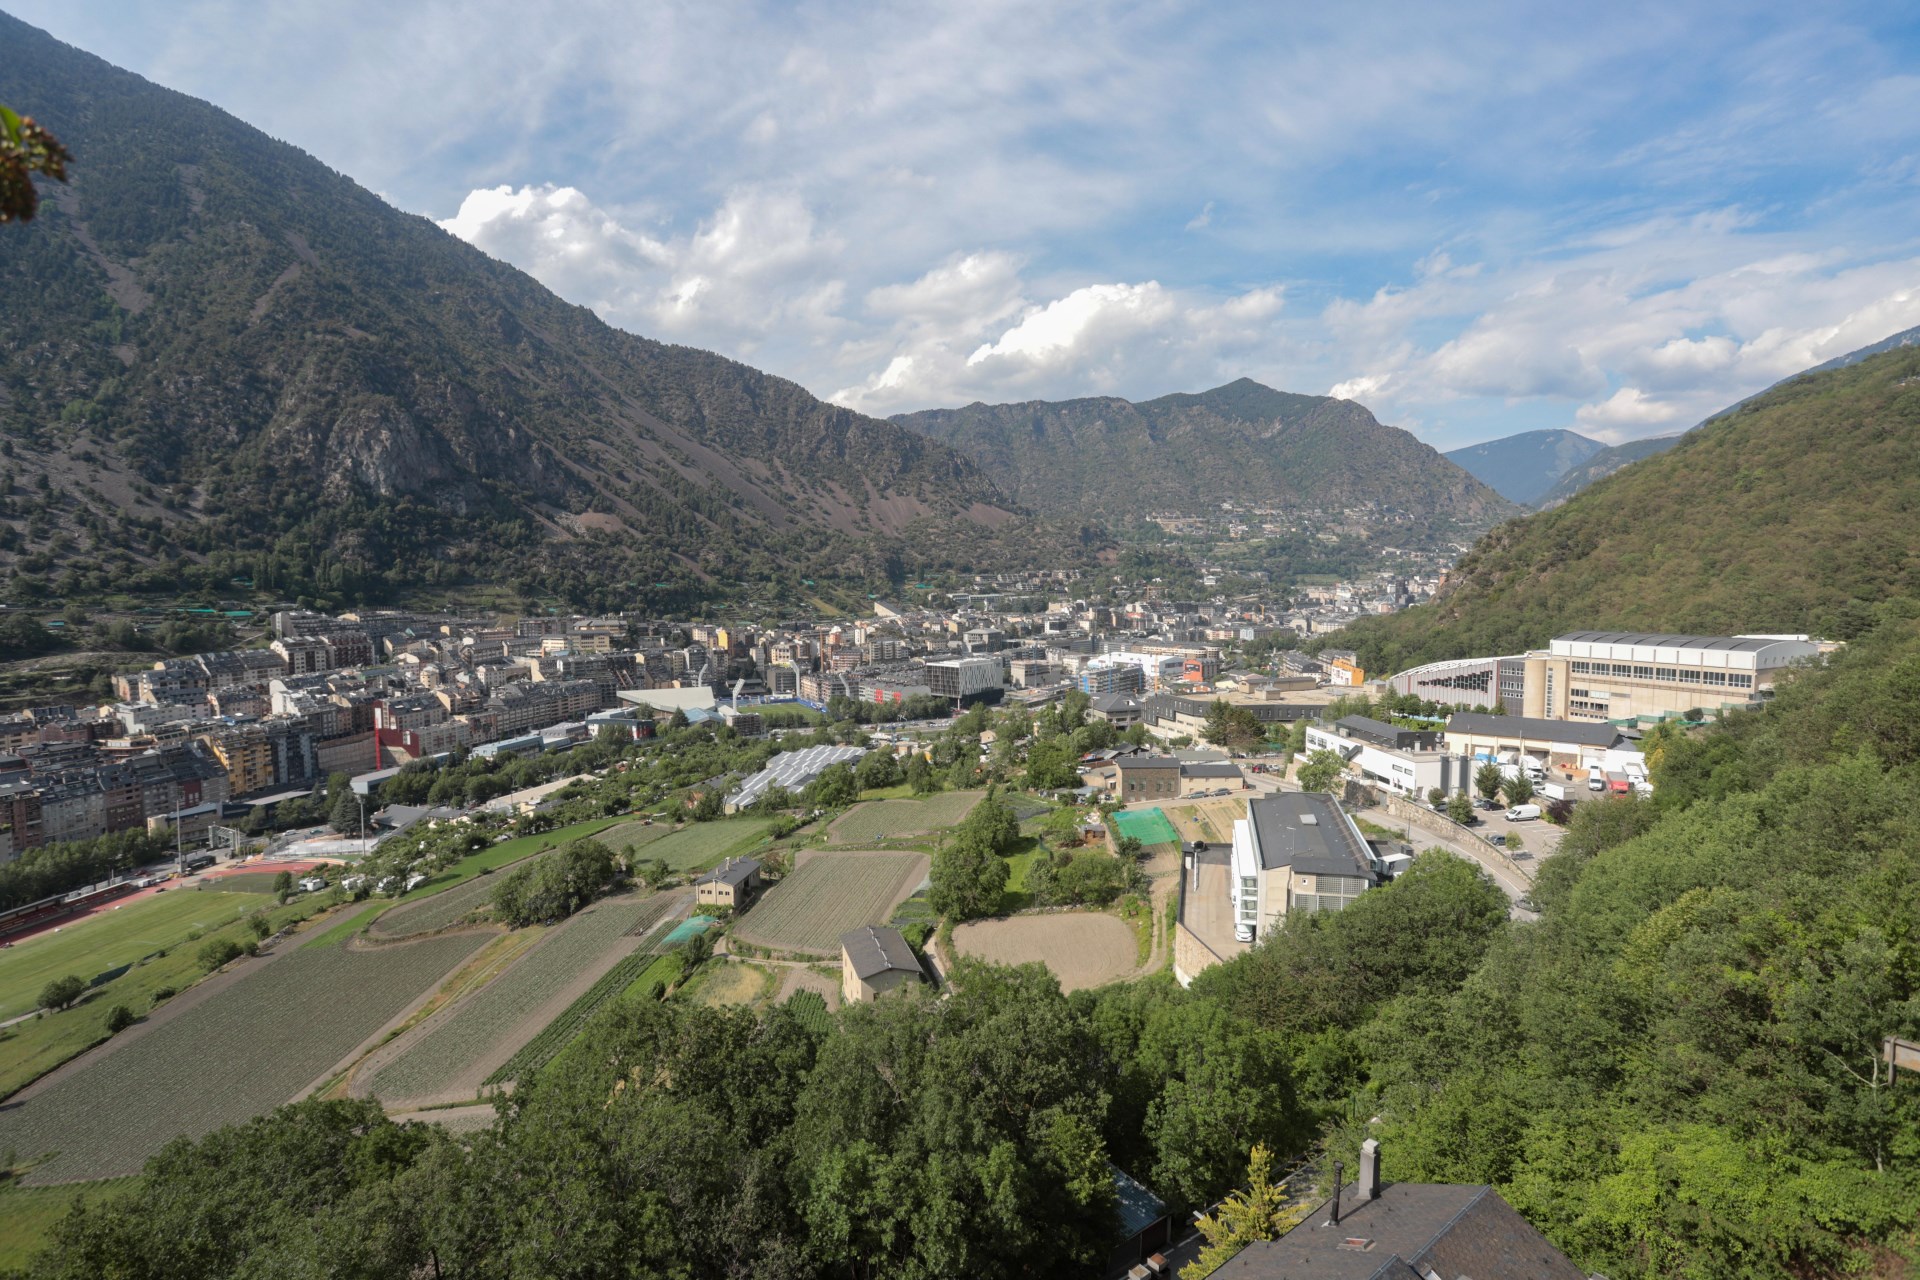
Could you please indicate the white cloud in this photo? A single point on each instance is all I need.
(1623, 415)
(1201, 219)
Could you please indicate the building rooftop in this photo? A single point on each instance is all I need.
(1666, 640)
(1139, 1207)
(1308, 832)
(1210, 769)
(1584, 733)
(873, 950)
(1412, 1231)
(792, 770)
(734, 871)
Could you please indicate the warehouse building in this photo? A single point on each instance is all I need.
(1623, 675)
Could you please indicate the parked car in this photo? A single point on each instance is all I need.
(1523, 813)
(1497, 838)
(1596, 779)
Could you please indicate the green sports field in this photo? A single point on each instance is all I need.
(115, 937)
(1148, 826)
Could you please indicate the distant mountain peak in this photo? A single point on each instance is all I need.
(1524, 467)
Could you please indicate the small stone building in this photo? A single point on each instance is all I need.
(874, 959)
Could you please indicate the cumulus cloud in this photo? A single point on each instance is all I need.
(1623, 415)
(1119, 338)
(753, 265)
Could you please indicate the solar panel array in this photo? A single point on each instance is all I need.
(793, 770)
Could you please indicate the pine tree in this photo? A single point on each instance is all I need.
(1260, 1212)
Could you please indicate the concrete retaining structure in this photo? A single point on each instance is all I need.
(1447, 829)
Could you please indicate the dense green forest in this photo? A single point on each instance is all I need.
(1673, 1073)
(1788, 513)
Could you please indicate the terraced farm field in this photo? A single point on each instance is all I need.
(113, 938)
(700, 845)
(634, 835)
(246, 1050)
(890, 819)
(428, 915)
(828, 894)
(459, 1048)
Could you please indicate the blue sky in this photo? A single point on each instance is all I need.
(1474, 220)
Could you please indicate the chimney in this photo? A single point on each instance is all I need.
(1369, 1170)
(1333, 1205)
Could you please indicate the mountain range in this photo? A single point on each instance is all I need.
(1793, 511)
(1104, 458)
(219, 359)
(1522, 468)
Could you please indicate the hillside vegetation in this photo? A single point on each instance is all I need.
(1789, 513)
(1110, 459)
(219, 359)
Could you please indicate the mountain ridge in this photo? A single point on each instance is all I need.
(1108, 458)
(1521, 468)
(1791, 512)
(233, 351)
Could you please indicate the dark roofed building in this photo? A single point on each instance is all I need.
(1146, 778)
(1143, 1220)
(1406, 1231)
(873, 960)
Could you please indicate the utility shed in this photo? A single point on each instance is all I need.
(875, 959)
(1143, 1221)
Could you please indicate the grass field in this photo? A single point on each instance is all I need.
(113, 938)
(28, 1213)
(876, 819)
(352, 919)
(700, 845)
(826, 896)
(240, 1053)
(478, 1026)
(425, 915)
(735, 982)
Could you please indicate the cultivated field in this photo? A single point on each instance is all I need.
(890, 819)
(634, 835)
(700, 845)
(828, 894)
(244, 1051)
(115, 937)
(456, 1050)
(1083, 948)
(427, 915)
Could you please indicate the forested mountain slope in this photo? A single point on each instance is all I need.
(1785, 514)
(214, 345)
(1107, 458)
(1600, 465)
(1524, 467)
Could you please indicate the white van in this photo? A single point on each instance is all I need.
(313, 884)
(1523, 812)
(1596, 778)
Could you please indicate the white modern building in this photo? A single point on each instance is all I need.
(1295, 851)
(1407, 761)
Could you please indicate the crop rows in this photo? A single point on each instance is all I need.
(438, 911)
(828, 895)
(474, 1027)
(809, 1008)
(866, 823)
(245, 1050)
(540, 1050)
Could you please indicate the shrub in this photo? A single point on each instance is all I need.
(119, 1018)
(259, 926)
(161, 995)
(218, 952)
(62, 992)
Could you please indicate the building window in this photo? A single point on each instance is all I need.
(1581, 669)
(1643, 673)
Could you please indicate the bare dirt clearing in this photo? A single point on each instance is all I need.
(1083, 948)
